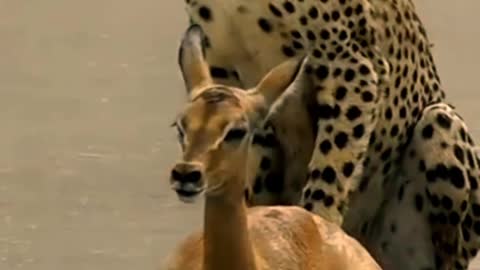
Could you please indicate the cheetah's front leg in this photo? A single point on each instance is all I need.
(347, 98)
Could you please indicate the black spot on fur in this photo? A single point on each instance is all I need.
(447, 203)
(427, 132)
(265, 25)
(296, 34)
(325, 111)
(343, 35)
(348, 169)
(349, 75)
(274, 183)
(358, 131)
(205, 13)
(313, 13)
(308, 207)
(316, 174)
(341, 140)
(459, 154)
(456, 177)
(353, 113)
(367, 96)
(340, 93)
(328, 201)
(307, 193)
(275, 11)
(335, 15)
(322, 72)
(288, 51)
(329, 175)
(325, 147)
(364, 70)
(444, 121)
(311, 36)
(325, 34)
(303, 20)
(454, 218)
(318, 195)
(473, 182)
(289, 7)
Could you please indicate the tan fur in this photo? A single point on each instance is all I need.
(263, 238)
(294, 240)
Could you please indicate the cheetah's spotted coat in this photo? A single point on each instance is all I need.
(388, 157)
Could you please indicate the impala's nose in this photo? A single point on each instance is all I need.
(186, 173)
(186, 176)
(186, 180)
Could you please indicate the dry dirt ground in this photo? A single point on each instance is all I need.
(87, 90)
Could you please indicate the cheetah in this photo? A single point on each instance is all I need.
(364, 137)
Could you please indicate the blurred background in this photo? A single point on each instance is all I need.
(87, 92)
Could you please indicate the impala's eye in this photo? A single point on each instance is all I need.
(235, 134)
(180, 133)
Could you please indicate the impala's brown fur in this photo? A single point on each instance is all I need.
(214, 112)
(236, 237)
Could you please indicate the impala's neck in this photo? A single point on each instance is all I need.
(226, 241)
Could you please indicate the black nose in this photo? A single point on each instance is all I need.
(187, 177)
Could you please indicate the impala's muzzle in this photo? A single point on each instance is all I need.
(186, 180)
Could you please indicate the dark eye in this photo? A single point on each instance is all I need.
(235, 134)
(180, 134)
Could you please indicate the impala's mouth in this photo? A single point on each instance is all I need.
(188, 192)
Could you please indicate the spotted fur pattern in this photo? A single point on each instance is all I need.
(388, 158)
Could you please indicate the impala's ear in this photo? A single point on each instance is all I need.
(277, 80)
(191, 58)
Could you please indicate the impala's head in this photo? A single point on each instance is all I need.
(217, 117)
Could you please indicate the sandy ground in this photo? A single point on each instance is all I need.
(87, 90)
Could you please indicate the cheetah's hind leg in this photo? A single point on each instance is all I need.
(442, 164)
(399, 235)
